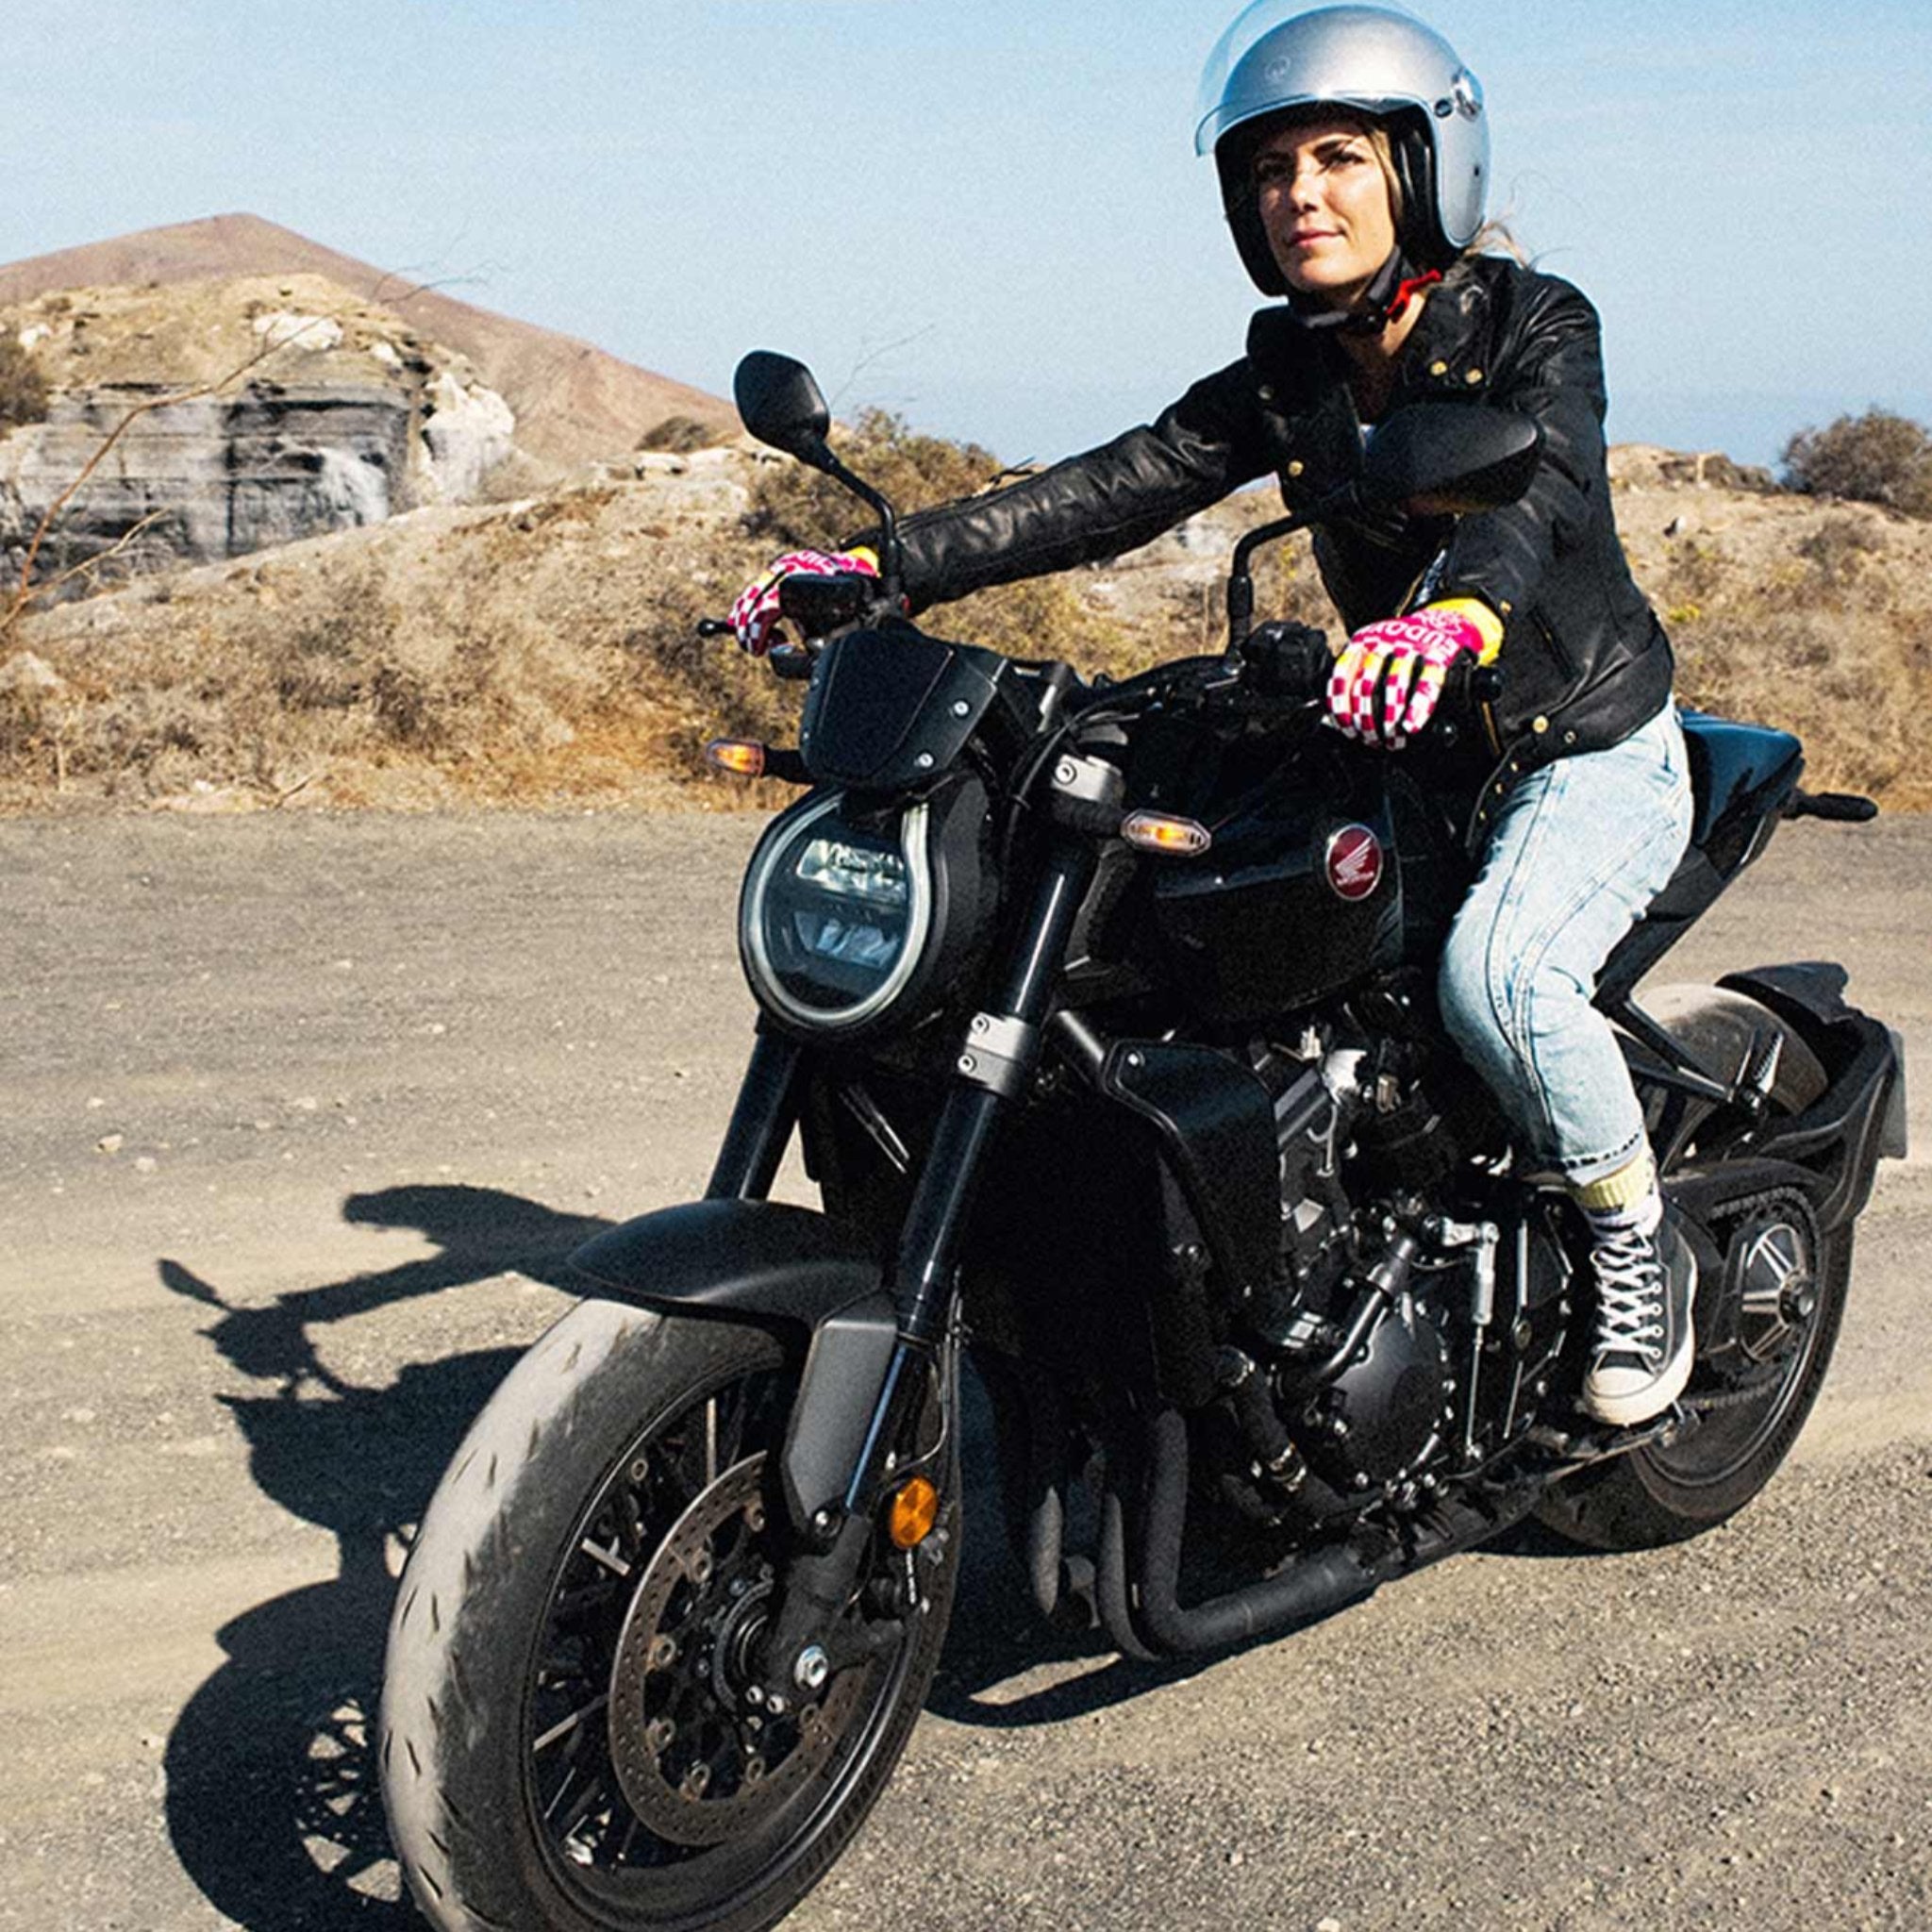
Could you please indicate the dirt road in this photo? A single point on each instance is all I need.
(301, 1115)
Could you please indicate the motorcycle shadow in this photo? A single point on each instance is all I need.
(272, 1800)
(273, 1796)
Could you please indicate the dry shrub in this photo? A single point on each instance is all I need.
(1695, 573)
(794, 506)
(435, 662)
(1847, 668)
(1876, 458)
(23, 387)
(1840, 548)
(680, 435)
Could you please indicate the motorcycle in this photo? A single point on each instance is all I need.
(1104, 1013)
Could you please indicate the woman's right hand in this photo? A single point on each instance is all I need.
(755, 616)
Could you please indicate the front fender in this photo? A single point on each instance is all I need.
(811, 1278)
(755, 1260)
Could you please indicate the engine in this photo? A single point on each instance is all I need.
(1407, 1336)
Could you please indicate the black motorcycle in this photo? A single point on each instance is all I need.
(1105, 1015)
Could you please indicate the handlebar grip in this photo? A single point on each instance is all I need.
(713, 627)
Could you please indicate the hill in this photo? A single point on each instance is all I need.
(574, 402)
(543, 652)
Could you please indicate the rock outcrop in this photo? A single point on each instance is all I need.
(225, 417)
(575, 402)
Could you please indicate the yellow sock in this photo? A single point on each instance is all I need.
(1624, 1189)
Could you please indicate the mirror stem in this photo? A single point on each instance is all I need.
(1241, 583)
(892, 555)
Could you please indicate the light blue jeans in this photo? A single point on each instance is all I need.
(1580, 848)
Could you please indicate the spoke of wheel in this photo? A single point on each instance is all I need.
(592, 1795)
(710, 1442)
(569, 1778)
(570, 1723)
(610, 1558)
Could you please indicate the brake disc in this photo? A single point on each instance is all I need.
(697, 1762)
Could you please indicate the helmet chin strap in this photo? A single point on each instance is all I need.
(1392, 289)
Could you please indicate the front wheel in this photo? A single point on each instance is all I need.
(565, 1744)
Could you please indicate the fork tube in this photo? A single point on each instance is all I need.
(761, 1123)
(923, 1273)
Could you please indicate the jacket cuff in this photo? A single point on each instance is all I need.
(1473, 610)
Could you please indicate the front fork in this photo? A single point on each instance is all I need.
(996, 1060)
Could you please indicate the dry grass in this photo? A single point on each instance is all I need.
(537, 653)
(1834, 641)
(544, 652)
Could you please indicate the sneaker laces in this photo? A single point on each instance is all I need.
(1630, 1288)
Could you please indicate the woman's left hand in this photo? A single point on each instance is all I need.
(1388, 682)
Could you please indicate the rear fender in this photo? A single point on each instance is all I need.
(1861, 1117)
(813, 1281)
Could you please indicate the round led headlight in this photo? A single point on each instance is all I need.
(837, 914)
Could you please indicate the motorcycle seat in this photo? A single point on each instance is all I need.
(1741, 775)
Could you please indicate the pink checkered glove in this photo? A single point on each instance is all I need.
(1405, 660)
(755, 617)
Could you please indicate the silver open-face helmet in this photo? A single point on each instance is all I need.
(1280, 55)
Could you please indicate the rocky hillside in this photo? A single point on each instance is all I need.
(251, 413)
(572, 403)
(542, 651)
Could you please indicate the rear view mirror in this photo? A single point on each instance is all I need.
(1450, 458)
(779, 402)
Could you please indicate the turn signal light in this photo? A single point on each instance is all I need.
(1153, 831)
(739, 756)
(915, 1510)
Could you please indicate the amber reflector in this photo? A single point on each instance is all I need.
(915, 1510)
(737, 754)
(1153, 831)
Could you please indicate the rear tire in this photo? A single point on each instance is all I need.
(612, 1502)
(1663, 1495)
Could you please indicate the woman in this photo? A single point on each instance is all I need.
(1353, 150)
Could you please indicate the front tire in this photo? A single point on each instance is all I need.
(561, 1749)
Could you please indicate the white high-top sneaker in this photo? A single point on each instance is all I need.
(1646, 1283)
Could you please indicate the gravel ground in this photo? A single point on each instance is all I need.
(302, 1114)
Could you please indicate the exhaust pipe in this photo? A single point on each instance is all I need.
(1148, 1619)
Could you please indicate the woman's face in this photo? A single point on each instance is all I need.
(1324, 207)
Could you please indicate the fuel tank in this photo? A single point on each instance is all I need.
(1299, 898)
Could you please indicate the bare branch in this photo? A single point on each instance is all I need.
(868, 356)
(23, 588)
(88, 565)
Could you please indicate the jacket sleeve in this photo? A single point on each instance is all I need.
(1112, 499)
(1556, 377)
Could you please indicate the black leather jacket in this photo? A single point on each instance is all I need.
(1587, 661)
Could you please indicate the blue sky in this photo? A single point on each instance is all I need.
(987, 215)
